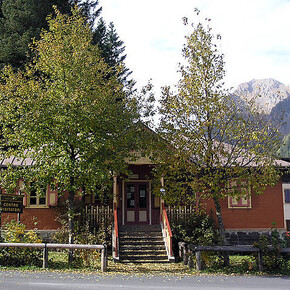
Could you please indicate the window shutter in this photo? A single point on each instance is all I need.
(24, 198)
(52, 197)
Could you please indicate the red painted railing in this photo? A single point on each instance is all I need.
(167, 230)
(116, 231)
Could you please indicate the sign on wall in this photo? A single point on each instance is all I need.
(11, 203)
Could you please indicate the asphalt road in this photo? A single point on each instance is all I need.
(70, 281)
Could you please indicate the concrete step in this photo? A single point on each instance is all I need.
(144, 247)
(140, 234)
(144, 261)
(140, 228)
(140, 239)
(144, 258)
(142, 244)
(143, 253)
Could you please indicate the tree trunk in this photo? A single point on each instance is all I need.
(220, 219)
(221, 228)
(70, 224)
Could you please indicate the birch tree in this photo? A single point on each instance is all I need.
(211, 138)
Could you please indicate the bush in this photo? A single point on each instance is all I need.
(273, 261)
(197, 229)
(15, 232)
(84, 235)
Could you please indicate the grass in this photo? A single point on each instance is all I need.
(240, 265)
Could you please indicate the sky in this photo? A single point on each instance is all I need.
(255, 36)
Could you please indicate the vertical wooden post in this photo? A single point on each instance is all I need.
(260, 260)
(226, 258)
(180, 252)
(104, 258)
(45, 257)
(198, 260)
(190, 260)
(185, 255)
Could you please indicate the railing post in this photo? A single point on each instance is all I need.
(226, 258)
(190, 261)
(180, 251)
(198, 260)
(185, 255)
(104, 258)
(260, 260)
(45, 257)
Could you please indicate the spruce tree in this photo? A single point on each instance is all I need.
(20, 22)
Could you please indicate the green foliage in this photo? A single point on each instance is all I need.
(84, 235)
(20, 21)
(70, 110)
(272, 260)
(196, 229)
(15, 232)
(211, 138)
(112, 51)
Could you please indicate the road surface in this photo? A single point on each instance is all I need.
(48, 280)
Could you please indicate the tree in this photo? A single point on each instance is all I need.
(211, 140)
(20, 21)
(23, 20)
(67, 112)
(112, 50)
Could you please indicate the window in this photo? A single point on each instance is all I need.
(288, 225)
(242, 189)
(287, 195)
(37, 196)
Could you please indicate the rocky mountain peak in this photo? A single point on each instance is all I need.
(267, 93)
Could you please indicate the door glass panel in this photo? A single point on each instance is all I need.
(142, 196)
(130, 196)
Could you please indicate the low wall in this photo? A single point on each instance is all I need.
(248, 237)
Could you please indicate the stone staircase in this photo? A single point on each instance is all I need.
(142, 244)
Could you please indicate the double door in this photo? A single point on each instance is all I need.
(136, 203)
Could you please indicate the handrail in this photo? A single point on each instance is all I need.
(167, 230)
(166, 220)
(116, 230)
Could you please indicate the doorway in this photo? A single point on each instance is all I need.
(136, 203)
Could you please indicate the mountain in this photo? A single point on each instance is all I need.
(267, 93)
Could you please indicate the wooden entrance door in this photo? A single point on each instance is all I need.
(136, 203)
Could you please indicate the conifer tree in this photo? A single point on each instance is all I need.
(20, 22)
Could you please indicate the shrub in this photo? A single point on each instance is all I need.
(272, 260)
(15, 232)
(197, 229)
(84, 235)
